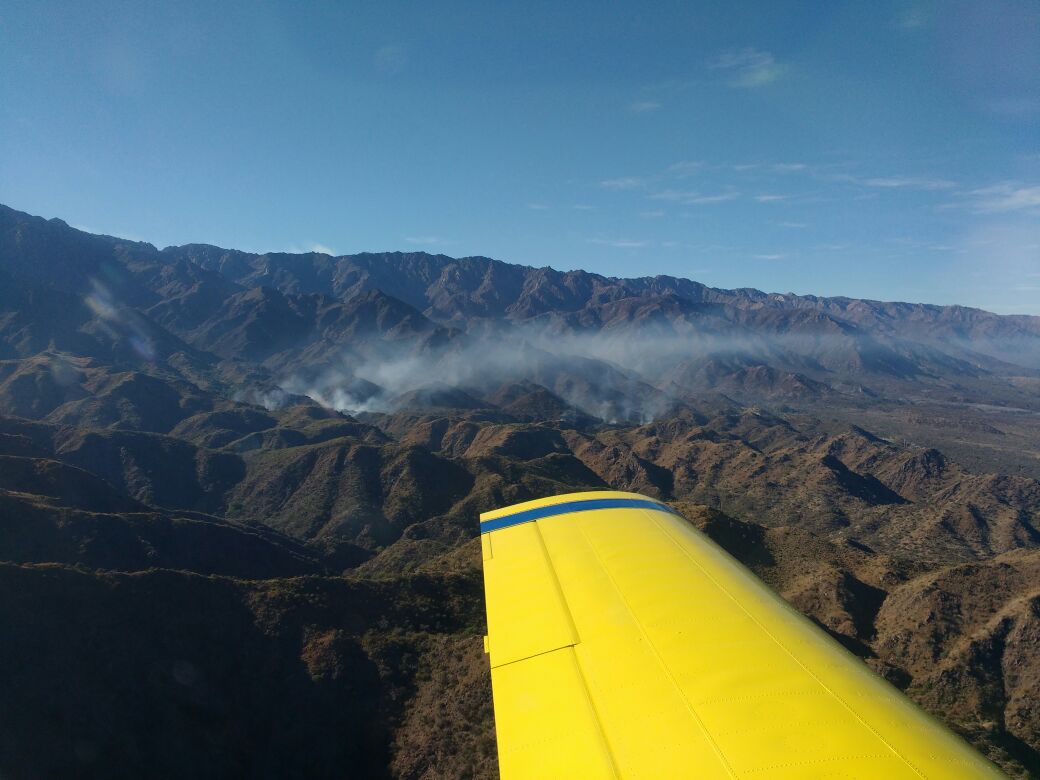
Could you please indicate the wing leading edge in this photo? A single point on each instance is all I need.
(625, 643)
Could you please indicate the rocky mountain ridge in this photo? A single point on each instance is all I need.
(238, 493)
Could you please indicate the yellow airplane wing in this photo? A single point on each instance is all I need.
(625, 643)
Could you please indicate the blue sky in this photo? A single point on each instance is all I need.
(884, 149)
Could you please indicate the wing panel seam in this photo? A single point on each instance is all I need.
(595, 714)
(657, 656)
(556, 584)
(532, 655)
(783, 647)
(577, 661)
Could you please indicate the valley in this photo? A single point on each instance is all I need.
(238, 487)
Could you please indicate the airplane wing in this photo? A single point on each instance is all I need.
(625, 643)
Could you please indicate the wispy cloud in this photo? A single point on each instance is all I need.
(769, 257)
(778, 167)
(908, 183)
(788, 167)
(304, 248)
(651, 214)
(677, 196)
(684, 168)
(723, 182)
(911, 19)
(748, 67)
(538, 206)
(427, 240)
(624, 183)
(620, 243)
(721, 197)
(693, 198)
(1005, 197)
(643, 106)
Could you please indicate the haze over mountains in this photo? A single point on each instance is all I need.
(240, 492)
(401, 321)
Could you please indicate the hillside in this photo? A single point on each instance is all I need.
(239, 493)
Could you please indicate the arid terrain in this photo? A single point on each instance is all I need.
(239, 493)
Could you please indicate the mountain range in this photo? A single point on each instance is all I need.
(240, 491)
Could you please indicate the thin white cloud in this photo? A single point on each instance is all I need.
(770, 257)
(1005, 197)
(709, 247)
(427, 240)
(910, 241)
(909, 183)
(677, 196)
(678, 170)
(777, 167)
(302, 248)
(769, 198)
(912, 19)
(684, 168)
(620, 243)
(722, 197)
(748, 67)
(788, 167)
(693, 198)
(624, 183)
(643, 106)
(537, 206)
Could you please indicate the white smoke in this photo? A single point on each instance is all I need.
(621, 373)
